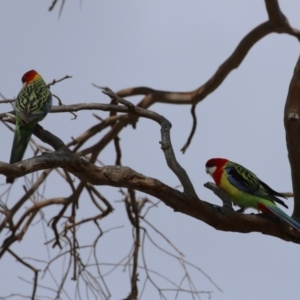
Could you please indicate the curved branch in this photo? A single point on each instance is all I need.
(220, 218)
(193, 130)
(166, 143)
(233, 61)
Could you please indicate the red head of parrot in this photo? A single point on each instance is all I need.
(29, 77)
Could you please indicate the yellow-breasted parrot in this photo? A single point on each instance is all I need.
(32, 105)
(246, 189)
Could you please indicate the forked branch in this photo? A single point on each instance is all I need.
(185, 202)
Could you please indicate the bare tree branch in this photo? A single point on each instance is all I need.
(186, 202)
(292, 127)
(189, 140)
(75, 164)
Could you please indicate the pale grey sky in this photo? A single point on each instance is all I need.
(170, 45)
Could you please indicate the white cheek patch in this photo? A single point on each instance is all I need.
(211, 170)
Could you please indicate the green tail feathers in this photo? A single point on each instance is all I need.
(22, 136)
(283, 216)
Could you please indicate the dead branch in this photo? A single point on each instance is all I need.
(292, 128)
(81, 174)
(277, 23)
(186, 202)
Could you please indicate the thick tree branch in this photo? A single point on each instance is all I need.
(220, 218)
(292, 127)
(279, 21)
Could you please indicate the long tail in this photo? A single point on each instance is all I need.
(21, 140)
(280, 214)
